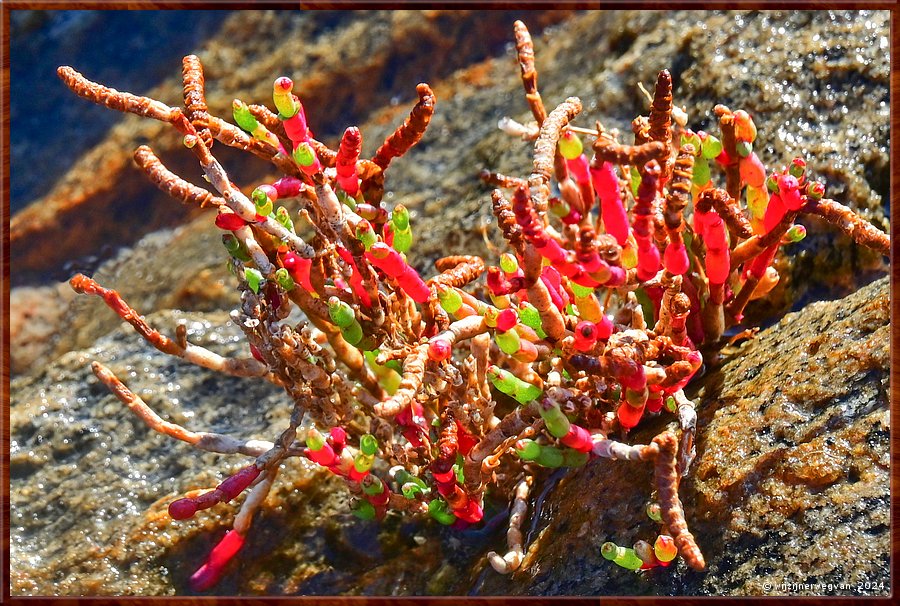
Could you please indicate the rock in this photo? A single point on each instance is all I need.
(712, 59)
(791, 484)
(36, 315)
(47, 130)
(90, 484)
(334, 57)
(768, 63)
(181, 268)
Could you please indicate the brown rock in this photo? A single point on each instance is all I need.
(791, 482)
(342, 74)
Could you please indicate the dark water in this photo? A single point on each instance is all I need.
(131, 50)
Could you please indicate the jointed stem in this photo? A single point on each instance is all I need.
(239, 367)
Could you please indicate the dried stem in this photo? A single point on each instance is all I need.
(239, 367)
(195, 96)
(212, 442)
(525, 50)
(513, 558)
(545, 151)
(172, 184)
(667, 493)
(852, 224)
(122, 101)
(411, 381)
(410, 132)
(632, 155)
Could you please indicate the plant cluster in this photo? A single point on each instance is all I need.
(437, 396)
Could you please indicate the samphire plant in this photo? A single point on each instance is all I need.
(624, 263)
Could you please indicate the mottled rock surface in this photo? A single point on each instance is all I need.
(785, 456)
(36, 313)
(791, 483)
(829, 105)
(346, 63)
(91, 484)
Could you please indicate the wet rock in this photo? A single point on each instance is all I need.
(791, 484)
(182, 268)
(91, 483)
(772, 64)
(334, 58)
(36, 315)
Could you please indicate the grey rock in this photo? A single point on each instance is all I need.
(791, 484)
